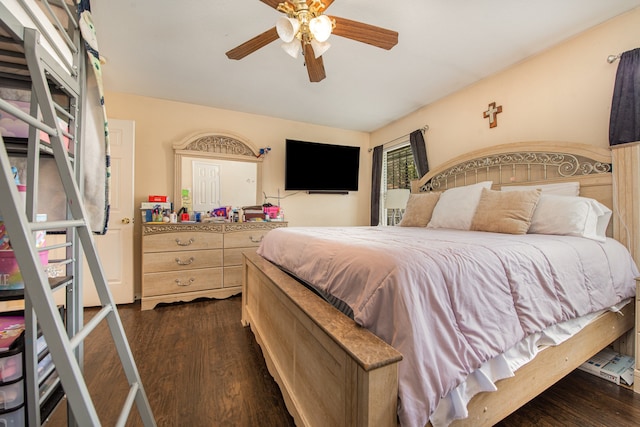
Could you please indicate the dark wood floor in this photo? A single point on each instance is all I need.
(200, 367)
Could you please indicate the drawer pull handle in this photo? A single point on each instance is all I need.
(180, 262)
(188, 283)
(254, 240)
(179, 242)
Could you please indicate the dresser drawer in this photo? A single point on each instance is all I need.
(233, 256)
(183, 241)
(233, 276)
(244, 239)
(185, 260)
(174, 282)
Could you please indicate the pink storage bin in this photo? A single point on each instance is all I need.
(10, 276)
(272, 211)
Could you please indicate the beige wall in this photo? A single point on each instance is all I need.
(160, 123)
(563, 94)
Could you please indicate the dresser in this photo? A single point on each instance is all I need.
(182, 262)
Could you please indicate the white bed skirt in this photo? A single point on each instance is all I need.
(454, 406)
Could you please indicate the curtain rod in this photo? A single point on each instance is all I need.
(613, 58)
(423, 129)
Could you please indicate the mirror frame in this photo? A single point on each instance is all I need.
(214, 145)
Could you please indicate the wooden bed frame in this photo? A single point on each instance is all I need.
(333, 372)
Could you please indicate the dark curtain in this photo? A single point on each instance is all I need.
(624, 125)
(419, 150)
(376, 181)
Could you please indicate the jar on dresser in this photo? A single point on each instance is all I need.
(182, 262)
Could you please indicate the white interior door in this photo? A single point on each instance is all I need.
(115, 248)
(206, 186)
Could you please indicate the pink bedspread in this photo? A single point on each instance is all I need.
(450, 300)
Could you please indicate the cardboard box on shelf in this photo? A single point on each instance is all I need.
(611, 366)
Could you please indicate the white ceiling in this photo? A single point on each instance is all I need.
(175, 50)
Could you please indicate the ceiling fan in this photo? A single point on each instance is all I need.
(306, 28)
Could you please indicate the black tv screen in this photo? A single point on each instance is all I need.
(313, 166)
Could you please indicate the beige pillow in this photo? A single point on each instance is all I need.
(419, 209)
(505, 212)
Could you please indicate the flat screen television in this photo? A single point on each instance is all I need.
(319, 167)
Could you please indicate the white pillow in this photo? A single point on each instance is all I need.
(559, 189)
(570, 216)
(456, 206)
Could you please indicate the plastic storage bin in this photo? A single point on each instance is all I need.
(10, 365)
(272, 211)
(11, 395)
(14, 418)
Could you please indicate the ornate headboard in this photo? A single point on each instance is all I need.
(528, 163)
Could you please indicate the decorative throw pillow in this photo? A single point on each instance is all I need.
(558, 188)
(456, 206)
(419, 209)
(505, 212)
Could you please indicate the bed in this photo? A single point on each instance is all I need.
(334, 372)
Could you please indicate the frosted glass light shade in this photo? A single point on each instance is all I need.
(292, 48)
(287, 28)
(320, 27)
(319, 47)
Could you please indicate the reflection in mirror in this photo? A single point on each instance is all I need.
(213, 182)
(215, 170)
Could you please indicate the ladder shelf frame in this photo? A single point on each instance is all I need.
(65, 342)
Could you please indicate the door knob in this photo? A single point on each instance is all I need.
(126, 220)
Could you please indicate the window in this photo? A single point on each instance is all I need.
(398, 170)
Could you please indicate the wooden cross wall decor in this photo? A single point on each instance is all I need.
(492, 114)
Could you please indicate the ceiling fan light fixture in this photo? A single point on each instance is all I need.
(292, 48)
(304, 28)
(287, 28)
(319, 47)
(321, 27)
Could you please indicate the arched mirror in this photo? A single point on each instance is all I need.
(213, 170)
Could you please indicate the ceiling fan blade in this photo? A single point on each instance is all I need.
(254, 44)
(326, 3)
(315, 66)
(365, 33)
(274, 3)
